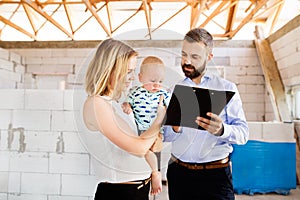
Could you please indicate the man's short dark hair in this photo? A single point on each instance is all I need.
(200, 35)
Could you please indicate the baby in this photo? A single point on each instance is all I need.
(143, 101)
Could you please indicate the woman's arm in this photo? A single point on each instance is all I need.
(100, 114)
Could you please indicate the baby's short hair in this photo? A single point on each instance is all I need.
(151, 61)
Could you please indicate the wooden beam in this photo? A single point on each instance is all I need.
(98, 1)
(210, 4)
(107, 6)
(126, 20)
(197, 12)
(44, 23)
(68, 13)
(88, 19)
(147, 15)
(290, 26)
(275, 19)
(268, 22)
(30, 18)
(249, 17)
(250, 6)
(42, 4)
(198, 8)
(187, 1)
(94, 13)
(275, 5)
(39, 3)
(231, 16)
(194, 9)
(170, 18)
(8, 22)
(45, 15)
(133, 43)
(272, 76)
(214, 13)
(219, 25)
(8, 1)
(150, 13)
(233, 3)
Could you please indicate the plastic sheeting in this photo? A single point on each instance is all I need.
(264, 167)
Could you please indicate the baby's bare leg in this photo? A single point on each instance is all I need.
(155, 175)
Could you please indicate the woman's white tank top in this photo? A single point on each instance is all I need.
(111, 163)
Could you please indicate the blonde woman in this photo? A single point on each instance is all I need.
(118, 152)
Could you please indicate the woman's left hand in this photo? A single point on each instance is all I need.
(213, 126)
(158, 144)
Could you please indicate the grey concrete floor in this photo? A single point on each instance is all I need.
(294, 195)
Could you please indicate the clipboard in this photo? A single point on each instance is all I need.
(189, 102)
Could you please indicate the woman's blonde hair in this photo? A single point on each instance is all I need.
(108, 69)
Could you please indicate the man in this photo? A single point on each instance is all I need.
(199, 165)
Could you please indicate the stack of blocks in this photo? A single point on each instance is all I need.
(267, 162)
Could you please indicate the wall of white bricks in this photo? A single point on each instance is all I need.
(63, 68)
(41, 155)
(12, 70)
(54, 68)
(286, 51)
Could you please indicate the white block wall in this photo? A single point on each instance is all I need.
(244, 70)
(12, 70)
(286, 51)
(45, 158)
(271, 131)
(63, 68)
(54, 68)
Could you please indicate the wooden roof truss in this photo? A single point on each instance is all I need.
(202, 13)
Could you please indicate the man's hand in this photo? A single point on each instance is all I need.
(126, 108)
(176, 129)
(158, 144)
(214, 125)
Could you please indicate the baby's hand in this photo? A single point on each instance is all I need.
(156, 183)
(126, 108)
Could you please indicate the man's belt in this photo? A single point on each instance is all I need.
(198, 166)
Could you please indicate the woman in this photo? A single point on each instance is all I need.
(118, 153)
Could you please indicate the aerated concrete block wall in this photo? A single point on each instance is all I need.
(286, 50)
(41, 155)
(59, 69)
(12, 70)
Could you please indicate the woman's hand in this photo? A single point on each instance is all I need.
(214, 125)
(158, 144)
(161, 110)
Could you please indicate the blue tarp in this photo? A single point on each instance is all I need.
(264, 167)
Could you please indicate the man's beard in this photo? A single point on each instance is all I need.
(194, 73)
